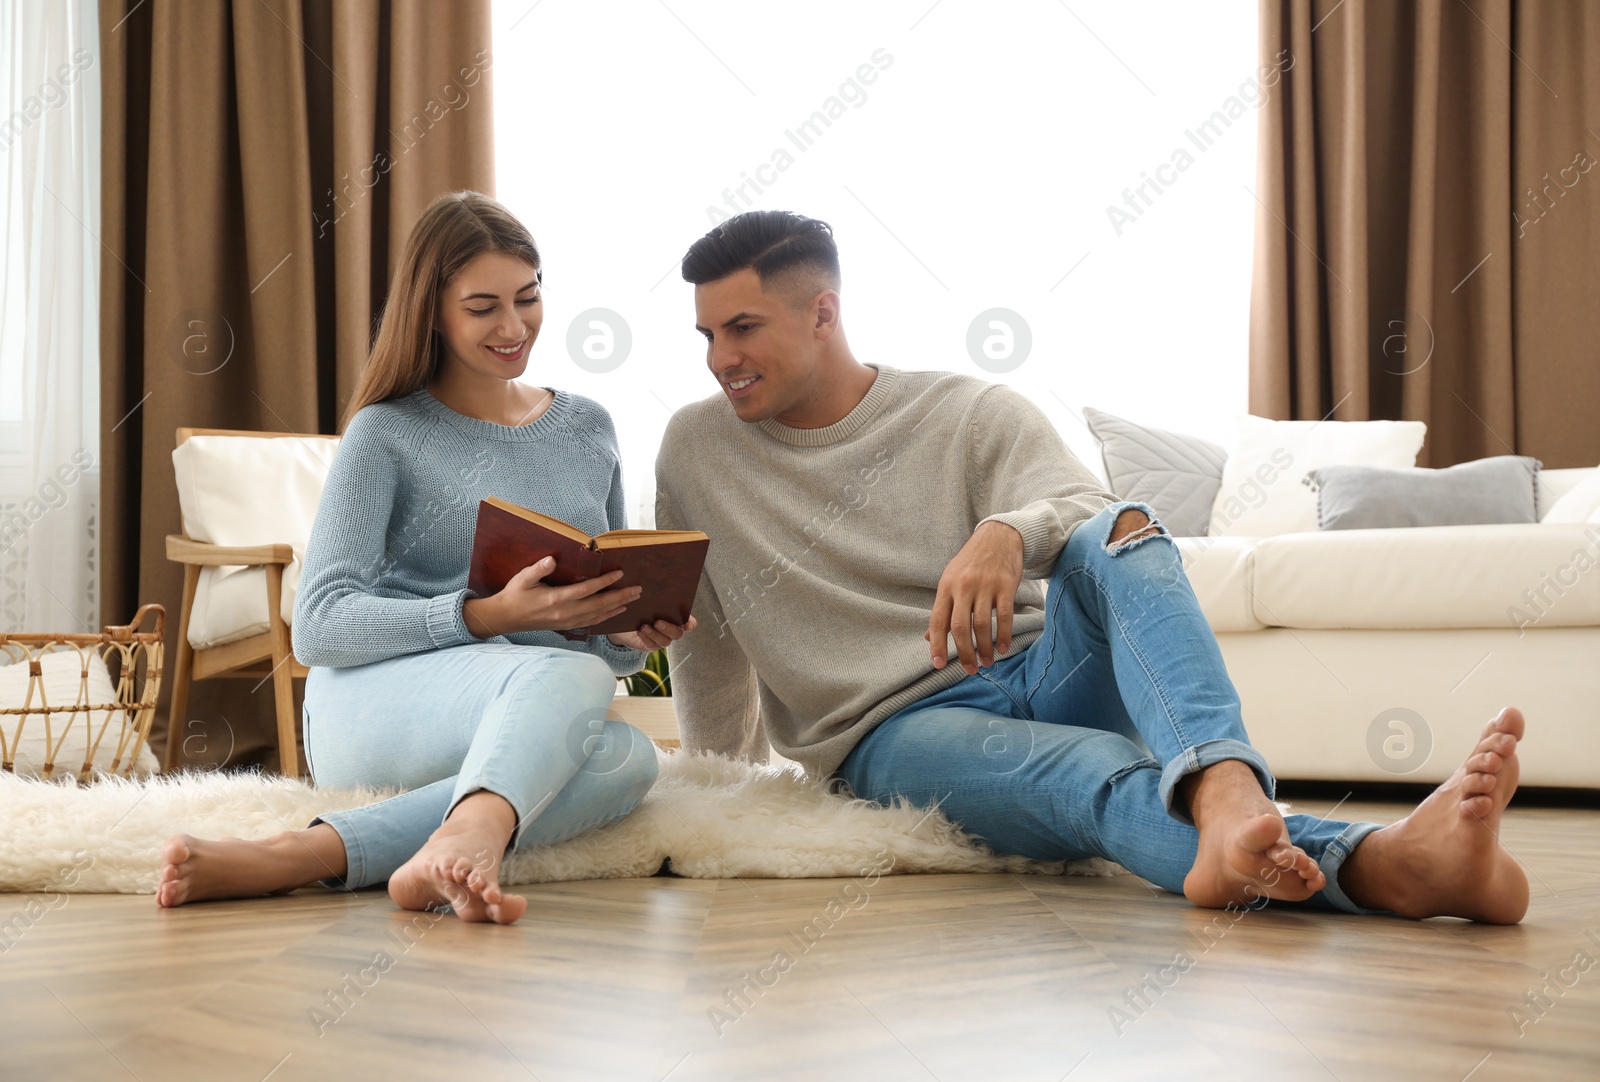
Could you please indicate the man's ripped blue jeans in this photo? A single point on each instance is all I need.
(1075, 746)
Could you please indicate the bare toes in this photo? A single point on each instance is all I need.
(1307, 869)
(510, 909)
(1509, 721)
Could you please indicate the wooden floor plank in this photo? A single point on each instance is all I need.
(945, 977)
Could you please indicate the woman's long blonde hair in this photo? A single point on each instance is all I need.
(455, 229)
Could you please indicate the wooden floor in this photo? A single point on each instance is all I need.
(919, 977)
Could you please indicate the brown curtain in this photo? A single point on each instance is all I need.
(263, 163)
(1428, 222)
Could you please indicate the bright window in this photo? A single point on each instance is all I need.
(1087, 167)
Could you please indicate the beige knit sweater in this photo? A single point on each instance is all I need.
(827, 546)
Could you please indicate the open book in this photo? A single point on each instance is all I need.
(665, 564)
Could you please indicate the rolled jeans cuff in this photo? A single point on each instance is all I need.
(1333, 857)
(1209, 754)
(355, 857)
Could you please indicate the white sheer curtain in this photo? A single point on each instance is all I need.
(49, 320)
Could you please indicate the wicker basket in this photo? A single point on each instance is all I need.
(133, 660)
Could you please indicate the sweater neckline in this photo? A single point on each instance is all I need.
(553, 418)
(851, 423)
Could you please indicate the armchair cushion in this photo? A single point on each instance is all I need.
(247, 490)
(230, 603)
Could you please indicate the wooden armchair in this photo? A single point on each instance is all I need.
(230, 646)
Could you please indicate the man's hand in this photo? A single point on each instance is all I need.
(652, 637)
(977, 591)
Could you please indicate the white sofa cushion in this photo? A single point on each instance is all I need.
(1261, 493)
(1220, 569)
(1577, 495)
(1499, 576)
(247, 490)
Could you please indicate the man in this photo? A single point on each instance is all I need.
(863, 518)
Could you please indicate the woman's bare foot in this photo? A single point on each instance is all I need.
(196, 869)
(1445, 858)
(1244, 853)
(459, 865)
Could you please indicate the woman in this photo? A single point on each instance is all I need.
(490, 718)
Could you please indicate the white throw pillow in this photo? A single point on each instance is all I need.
(61, 672)
(1262, 494)
(1580, 504)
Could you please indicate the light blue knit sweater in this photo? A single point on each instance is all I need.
(386, 568)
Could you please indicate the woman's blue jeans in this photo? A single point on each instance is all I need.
(524, 722)
(1075, 746)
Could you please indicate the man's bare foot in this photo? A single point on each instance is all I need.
(196, 869)
(1244, 853)
(1445, 858)
(459, 865)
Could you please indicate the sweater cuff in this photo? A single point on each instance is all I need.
(1038, 546)
(447, 625)
(623, 661)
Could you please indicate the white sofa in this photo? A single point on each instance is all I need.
(1378, 655)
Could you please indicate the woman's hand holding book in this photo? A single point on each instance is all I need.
(527, 604)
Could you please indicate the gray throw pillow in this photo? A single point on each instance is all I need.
(1177, 475)
(1500, 489)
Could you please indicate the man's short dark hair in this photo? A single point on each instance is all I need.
(777, 244)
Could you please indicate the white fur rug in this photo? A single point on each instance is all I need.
(711, 817)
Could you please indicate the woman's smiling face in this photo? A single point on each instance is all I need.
(489, 316)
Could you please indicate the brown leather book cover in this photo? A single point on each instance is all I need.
(665, 564)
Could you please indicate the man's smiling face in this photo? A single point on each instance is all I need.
(762, 349)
